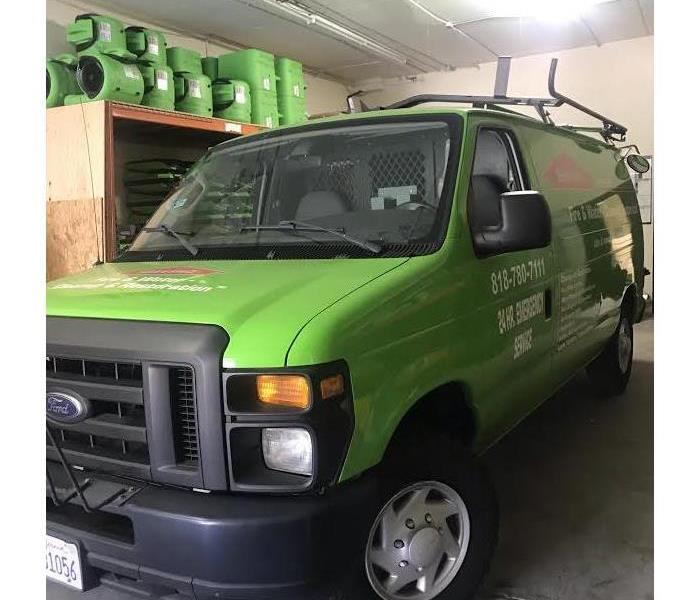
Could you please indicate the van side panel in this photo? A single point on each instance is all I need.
(597, 239)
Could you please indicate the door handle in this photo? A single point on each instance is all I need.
(548, 303)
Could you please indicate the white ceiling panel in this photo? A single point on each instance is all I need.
(398, 22)
(614, 21)
(521, 37)
(424, 42)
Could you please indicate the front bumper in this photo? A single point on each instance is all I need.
(222, 545)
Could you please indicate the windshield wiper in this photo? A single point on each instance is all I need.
(303, 226)
(178, 235)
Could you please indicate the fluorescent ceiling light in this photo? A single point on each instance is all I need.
(546, 10)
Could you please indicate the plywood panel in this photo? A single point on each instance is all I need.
(75, 152)
(73, 236)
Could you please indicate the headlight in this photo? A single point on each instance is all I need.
(288, 449)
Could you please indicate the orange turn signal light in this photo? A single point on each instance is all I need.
(292, 391)
(332, 386)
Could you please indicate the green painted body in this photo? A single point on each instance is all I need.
(407, 326)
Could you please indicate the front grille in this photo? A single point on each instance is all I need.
(114, 437)
(184, 415)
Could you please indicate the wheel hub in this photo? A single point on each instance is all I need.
(418, 542)
(425, 548)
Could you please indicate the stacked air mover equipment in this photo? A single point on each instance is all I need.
(291, 96)
(257, 69)
(106, 70)
(149, 48)
(60, 79)
(192, 86)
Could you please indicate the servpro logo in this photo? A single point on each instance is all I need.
(184, 271)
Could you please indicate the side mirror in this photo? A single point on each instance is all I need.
(637, 163)
(526, 224)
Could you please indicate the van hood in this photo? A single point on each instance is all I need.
(262, 305)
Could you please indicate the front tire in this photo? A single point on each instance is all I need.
(610, 372)
(435, 525)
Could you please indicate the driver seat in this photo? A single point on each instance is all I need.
(322, 203)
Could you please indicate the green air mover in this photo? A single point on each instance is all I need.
(184, 60)
(97, 33)
(193, 94)
(231, 100)
(264, 108)
(255, 67)
(290, 77)
(60, 79)
(159, 87)
(292, 109)
(210, 67)
(147, 44)
(102, 77)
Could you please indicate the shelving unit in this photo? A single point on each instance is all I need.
(87, 147)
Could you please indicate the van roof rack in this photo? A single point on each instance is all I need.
(610, 130)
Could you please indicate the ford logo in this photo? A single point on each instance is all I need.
(66, 408)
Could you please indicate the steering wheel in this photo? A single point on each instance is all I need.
(415, 205)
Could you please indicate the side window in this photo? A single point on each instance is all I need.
(496, 170)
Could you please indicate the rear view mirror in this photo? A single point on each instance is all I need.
(526, 224)
(637, 163)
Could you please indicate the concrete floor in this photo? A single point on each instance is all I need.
(575, 481)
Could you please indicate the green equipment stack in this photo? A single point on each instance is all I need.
(149, 46)
(232, 100)
(98, 33)
(193, 93)
(291, 96)
(257, 69)
(101, 77)
(60, 79)
(106, 69)
(210, 67)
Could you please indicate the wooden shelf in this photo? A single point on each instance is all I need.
(145, 114)
(86, 148)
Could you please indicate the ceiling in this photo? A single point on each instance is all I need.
(365, 39)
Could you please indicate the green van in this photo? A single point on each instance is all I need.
(282, 388)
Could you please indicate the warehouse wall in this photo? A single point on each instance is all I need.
(322, 95)
(616, 79)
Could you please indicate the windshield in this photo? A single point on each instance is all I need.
(358, 190)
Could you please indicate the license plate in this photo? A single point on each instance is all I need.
(63, 562)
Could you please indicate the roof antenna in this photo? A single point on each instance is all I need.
(500, 90)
